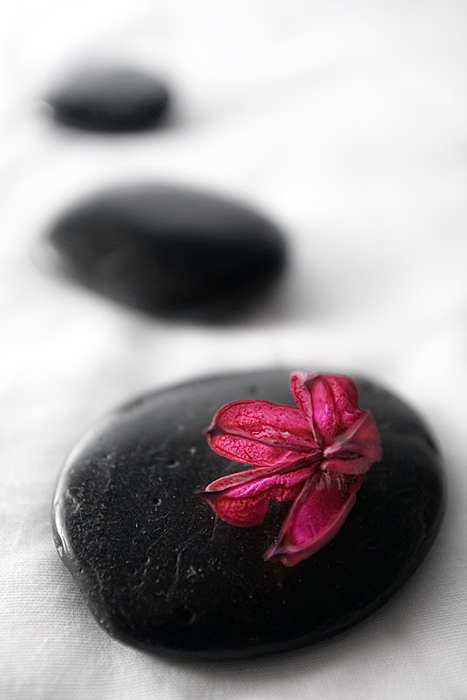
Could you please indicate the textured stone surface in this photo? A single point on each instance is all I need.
(161, 572)
(168, 250)
(109, 99)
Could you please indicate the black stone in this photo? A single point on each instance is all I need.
(161, 572)
(110, 99)
(168, 250)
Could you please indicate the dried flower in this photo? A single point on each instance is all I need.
(314, 454)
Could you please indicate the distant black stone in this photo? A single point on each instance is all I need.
(168, 250)
(161, 572)
(110, 99)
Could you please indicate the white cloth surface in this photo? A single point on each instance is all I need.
(344, 121)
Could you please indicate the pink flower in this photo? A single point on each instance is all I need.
(314, 454)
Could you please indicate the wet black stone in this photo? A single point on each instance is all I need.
(110, 99)
(168, 250)
(161, 572)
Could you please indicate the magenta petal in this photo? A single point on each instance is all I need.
(261, 433)
(301, 384)
(356, 465)
(316, 516)
(243, 498)
(330, 402)
(355, 450)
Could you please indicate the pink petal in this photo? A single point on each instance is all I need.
(355, 450)
(330, 403)
(261, 433)
(242, 499)
(316, 516)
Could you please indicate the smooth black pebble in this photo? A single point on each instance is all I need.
(169, 250)
(110, 100)
(161, 572)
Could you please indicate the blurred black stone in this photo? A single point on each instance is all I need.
(161, 572)
(170, 251)
(110, 100)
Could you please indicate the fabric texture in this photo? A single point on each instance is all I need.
(345, 122)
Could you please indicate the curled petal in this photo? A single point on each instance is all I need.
(261, 433)
(329, 402)
(355, 450)
(316, 516)
(243, 498)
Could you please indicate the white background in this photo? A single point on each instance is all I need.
(344, 121)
